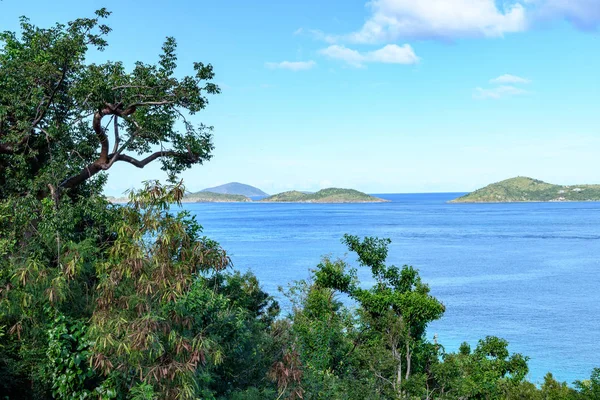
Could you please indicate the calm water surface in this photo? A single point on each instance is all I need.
(529, 273)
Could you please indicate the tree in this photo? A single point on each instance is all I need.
(488, 372)
(63, 121)
(167, 315)
(590, 389)
(56, 110)
(398, 307)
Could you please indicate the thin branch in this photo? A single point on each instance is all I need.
(133, 87)
(81, 118)
(50, 100)
(132, 107)
(378, 375)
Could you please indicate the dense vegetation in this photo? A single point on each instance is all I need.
(522, 189)
(102, 301)
(331, 195)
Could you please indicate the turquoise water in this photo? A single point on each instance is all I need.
(529, 273)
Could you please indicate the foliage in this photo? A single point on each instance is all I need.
(488, 371)
(55, 109)
(168, 316)
(398, 307)
(590, 388)
(331, 195)
(56, 230)
(68, 351)
(379, 350)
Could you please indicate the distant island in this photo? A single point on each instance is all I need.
(236, 188)
(523, 189)
(199, 197)
(331, 195)
(210, 197)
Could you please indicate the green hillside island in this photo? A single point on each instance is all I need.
(210, 197)
(236, 188)
(523, 189)
(331, 195)
(199, 197)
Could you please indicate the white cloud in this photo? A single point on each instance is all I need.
(498, 92)
(291, 65)
(390, 20)
(442, 19)
(390, 54)
(511, 79)
(317, 34)
(338, 52)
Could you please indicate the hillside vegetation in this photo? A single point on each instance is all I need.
(199, 197)
(210, 197)
(523, 189)
(331, 195)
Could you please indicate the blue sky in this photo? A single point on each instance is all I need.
(381, 96)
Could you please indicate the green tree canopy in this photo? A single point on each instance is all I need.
(398, 307)
(63, 120)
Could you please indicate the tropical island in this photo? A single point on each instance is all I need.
(212, 197)
(523, 189)
(330, 195)
(198, 197)
(236, 188)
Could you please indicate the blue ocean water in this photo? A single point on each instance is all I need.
(528, 272)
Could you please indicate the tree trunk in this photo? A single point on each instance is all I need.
(398, 357)
(408, 357)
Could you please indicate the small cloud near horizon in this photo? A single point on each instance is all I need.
(510, 79)
(498, 92)
(389, 54)
(291, 65)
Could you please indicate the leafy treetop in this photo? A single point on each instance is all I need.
(63, 120)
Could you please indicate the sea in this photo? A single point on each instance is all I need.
(525, 272)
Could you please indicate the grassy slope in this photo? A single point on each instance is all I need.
(331, 195)
(210, 197)
(522, 189)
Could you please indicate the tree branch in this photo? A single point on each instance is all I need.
(147, 160)
(117, 138)
(95, 167)
(97, 125)
(11, 148)
(86, 173)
